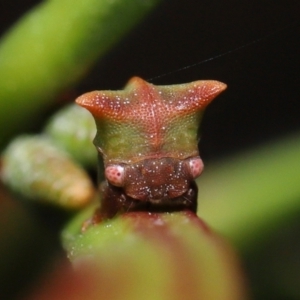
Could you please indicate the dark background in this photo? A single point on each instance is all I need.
(261, 68)
(262, 99)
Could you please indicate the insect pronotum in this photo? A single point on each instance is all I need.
(147, 137)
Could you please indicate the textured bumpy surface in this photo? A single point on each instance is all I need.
(146, 121)
(148, 138)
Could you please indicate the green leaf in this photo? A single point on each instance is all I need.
(73, 129)
(36, 168)
(249, 196)
(52, 47)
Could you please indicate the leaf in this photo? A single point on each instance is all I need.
(248, 197)
(35, 167)
(73, 129)
(52, 47)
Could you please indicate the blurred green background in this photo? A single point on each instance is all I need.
(249, 135)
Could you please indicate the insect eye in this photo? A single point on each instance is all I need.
(115, 175)
(196, 166)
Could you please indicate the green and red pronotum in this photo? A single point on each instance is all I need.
(147, 137)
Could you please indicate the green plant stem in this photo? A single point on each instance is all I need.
(52, 47)
(250, 196)
(156, 256)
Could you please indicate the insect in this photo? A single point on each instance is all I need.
(147, 141)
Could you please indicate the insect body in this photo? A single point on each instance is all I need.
(147, 138)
